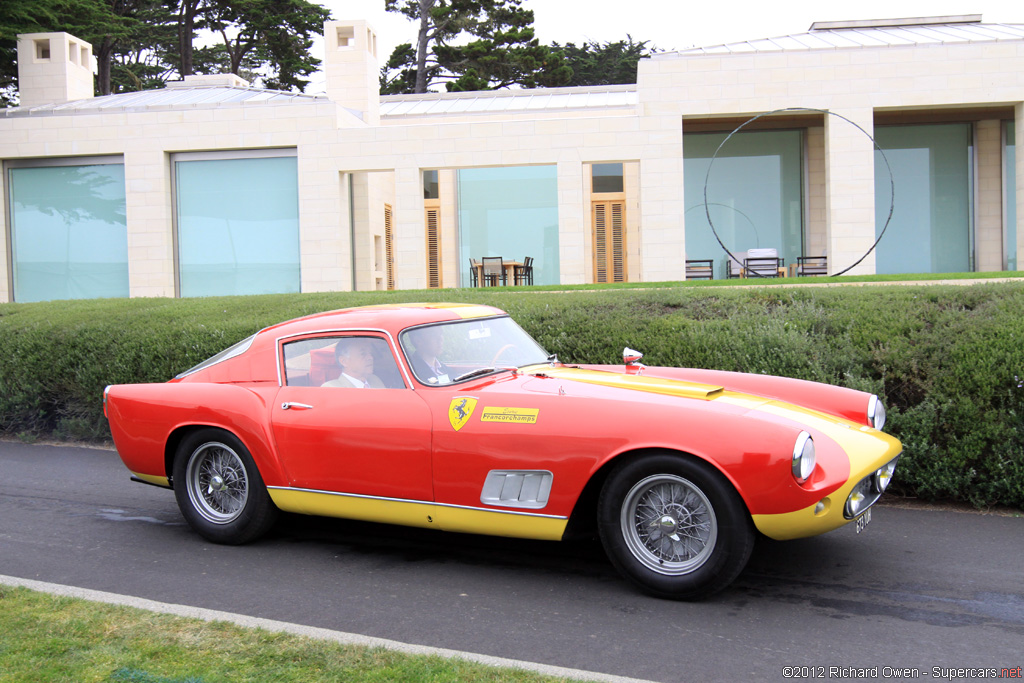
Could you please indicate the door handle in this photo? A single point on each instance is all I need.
(287, 405)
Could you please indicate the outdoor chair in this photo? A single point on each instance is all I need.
(762, 262)
(811, 265)
(494, 270)
(524, 274)
(474, 276)
(734, 266)
(700, 269)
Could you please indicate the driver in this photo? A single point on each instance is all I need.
(427, 342)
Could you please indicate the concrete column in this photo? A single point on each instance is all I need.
(988, 230)
(5, 243)
(149, 211)
(572, 224)
(850, 191)
(815, 240)
(1019, 193)
(662, 228)
(451, 263)
(409, 229)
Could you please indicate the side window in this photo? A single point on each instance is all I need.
(341, 361)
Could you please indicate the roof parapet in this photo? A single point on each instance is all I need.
(891, 23)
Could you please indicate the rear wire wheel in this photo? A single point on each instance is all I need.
(219, 489)
(673, 526)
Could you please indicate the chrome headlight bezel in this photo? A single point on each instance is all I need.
(876, 412)
(804, 458)
(868, 490)
(883, 476)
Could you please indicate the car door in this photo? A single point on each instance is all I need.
(368, 441)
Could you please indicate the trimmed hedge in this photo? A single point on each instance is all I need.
(947, 360)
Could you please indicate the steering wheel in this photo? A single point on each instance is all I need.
(501, 351)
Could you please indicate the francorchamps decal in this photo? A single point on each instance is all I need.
(460, 410)
(518, 415)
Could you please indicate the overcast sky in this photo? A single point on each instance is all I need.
(677, 24)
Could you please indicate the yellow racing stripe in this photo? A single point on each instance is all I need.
(420, 514)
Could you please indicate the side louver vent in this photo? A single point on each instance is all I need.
(517, 488)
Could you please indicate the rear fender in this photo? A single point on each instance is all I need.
(148, 421)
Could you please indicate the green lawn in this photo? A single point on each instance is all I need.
(45, 638)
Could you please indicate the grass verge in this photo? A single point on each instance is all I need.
(55, 638)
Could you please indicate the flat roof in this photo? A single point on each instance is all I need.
(875, 33)
(607, 97)
(177, 98)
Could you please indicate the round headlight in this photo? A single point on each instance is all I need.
(855, 504)
(803, 457)
(883, 475)
(876, 413)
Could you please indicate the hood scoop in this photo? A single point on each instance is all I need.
(653, 385)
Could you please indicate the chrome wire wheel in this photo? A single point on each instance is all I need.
(668, 524)
(217, 484)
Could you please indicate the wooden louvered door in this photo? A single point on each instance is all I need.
(609, 222)
(389, 245)
(432, 218)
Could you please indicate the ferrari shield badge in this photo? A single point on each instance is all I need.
(460, 410)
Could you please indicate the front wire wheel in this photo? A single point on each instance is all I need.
(674, 526)
(669, 524)
(219, 489)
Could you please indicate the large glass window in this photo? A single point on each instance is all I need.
(1010, 197)
(69, 233)
(930, 230)
(754, 194)
(510, 212)
(237, 223)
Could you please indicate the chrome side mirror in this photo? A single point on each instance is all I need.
(632, 357)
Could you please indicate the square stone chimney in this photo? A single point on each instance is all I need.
(53, 68)
(351, 68)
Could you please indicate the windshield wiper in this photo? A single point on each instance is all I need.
(482, 371)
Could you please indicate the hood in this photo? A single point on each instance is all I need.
(654, 385)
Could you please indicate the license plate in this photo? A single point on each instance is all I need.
(863, 521)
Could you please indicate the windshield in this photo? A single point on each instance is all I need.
(451, 352)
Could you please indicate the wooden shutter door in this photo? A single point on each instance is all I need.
(433, 222)
(389, 246)
(609, 221)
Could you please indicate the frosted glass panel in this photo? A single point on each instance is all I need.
(1011, 197)
(930, 227)
(238, 226)
(510, 212)
(754, 194)
(69, 232)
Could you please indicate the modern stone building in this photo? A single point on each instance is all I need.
(211, 187)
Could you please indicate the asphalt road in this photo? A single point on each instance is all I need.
(927, 590)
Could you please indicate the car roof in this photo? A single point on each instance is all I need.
(259, 350)
(390, 317)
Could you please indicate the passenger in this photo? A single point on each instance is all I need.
(355, 356)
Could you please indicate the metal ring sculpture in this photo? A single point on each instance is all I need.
(892, 184)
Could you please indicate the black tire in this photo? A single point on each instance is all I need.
(673, 526)
(219, 489)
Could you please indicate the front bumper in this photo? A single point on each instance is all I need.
(835, 509)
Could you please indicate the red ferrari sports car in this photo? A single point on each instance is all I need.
(450, 416)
